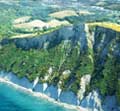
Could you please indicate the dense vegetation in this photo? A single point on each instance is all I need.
(107, 69)
(66, 57)
(34, 63)
(31, 63)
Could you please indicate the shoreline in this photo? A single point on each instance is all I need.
(43, 96)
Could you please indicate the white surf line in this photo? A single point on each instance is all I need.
(38, 94)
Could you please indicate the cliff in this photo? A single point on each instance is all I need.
(75, 64)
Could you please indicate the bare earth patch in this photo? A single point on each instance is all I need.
(40, 24)
(84, 12)
(22, 20)
(32, 24)
(55, 23)
(62, 14)
(24, 35)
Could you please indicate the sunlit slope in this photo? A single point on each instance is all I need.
(109, 25)
(56, 25)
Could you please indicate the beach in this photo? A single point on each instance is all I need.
(41, 95)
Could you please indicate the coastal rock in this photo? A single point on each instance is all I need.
(92, 102)
(74, 33)
(51, 91)
(35, 82)
(85, 80)
(59, 92)
(22, 81)
(38, 88)
(45, 86)
(68, 97)
(110, 104)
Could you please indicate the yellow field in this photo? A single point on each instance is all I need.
(108, 25)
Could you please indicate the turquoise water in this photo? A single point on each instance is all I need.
(12, 99)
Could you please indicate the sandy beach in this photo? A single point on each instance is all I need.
(41, 95)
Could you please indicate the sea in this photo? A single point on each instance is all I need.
(13, 99)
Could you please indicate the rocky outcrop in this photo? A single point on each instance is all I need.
(68, 97)
(75, 33)
(92, 102)
(51, 91)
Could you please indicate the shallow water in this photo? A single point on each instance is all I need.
(12, 99)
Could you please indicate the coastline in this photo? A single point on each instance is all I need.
(41, 95)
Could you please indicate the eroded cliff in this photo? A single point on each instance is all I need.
(81, 62)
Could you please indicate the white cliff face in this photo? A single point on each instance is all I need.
(46, 77)
(60, 82)
(46, 45)
(78, 102)
(84, 82)
(66, 44)
(50, 70)
(78, 47)
(45, 85)
(35, 81)
(59, 92)
(66, 72)
(90, 39)
(92, 102)
(90, 36)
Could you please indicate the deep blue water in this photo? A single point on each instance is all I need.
(12, 99)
